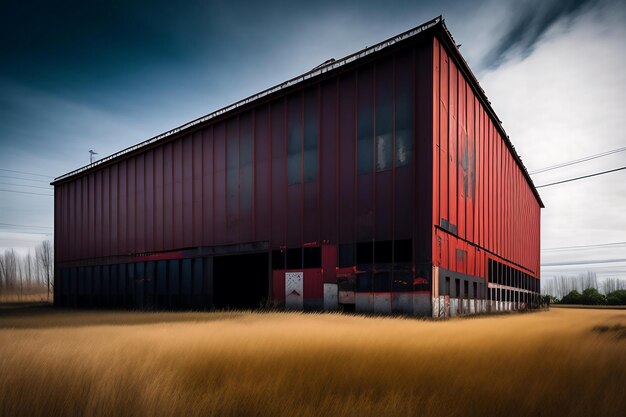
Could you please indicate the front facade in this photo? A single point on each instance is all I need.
(381, 182)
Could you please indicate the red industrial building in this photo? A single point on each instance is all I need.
(381, 182)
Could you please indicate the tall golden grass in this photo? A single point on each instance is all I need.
(564, 362)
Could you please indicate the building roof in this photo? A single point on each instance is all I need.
(437, 24)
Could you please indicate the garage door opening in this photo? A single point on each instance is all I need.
(240, 281)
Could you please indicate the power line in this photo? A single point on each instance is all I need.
(583, 177)
(577, 161)
(24, 225)
(25, 232)
(585, 246)
(26, 185)
(24, 179)
(27, 173)
(25, 192)
(606, 261)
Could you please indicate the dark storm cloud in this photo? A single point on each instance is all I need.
(530, 21)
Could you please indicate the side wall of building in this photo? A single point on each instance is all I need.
(331, 180)
(486, 219)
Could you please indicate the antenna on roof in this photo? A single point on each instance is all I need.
(91, 154)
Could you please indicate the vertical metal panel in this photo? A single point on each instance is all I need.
(177, 187)
(444, 163)
(187, 191)
(84, 209)
(98, 235)
(209, 194)
(262, 174)
(310, 167)
(131, 210)
(328, 150)
(404, 118)
(219, 183)
(159, 197)
(232, 179)
(461, 156)
(168, 197)
(207, 287)
(245, 207)
(91, 216)
(197, 296)
(365, 150)
(423, 162)
(452, 146)
(347, 163)
(122, 223)
(197, 222)
(383, 150)
(294, 171)
(149, 203)
(279, 173)
(186, 282)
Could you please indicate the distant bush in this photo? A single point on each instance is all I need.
(616, 298)
(574, 297)
(592, 297)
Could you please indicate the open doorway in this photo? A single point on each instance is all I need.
(240, 281)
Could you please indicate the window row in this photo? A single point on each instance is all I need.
(170, 284)
(499, 273)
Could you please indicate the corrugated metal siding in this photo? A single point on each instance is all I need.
(483, 207)
(229, 182)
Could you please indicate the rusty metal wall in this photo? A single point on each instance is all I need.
(483, 206)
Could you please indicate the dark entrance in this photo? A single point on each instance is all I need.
(240, 281)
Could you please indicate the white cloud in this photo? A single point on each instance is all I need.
(564, 101)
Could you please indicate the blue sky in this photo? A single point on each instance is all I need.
(106, 75)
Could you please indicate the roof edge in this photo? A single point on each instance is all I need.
(319, 70)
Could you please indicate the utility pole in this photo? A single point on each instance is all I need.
(91, 154)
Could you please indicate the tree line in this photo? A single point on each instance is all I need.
(20, 274)
(584, 289)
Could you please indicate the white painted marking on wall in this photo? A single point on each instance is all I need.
(330, 297)
(294, 290)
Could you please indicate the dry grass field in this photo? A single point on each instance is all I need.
(563, 362)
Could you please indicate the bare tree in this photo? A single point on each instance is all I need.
(2, 273)
(44, 256)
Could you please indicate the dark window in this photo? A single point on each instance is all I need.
(382, 281)
(294, 258)
(457, 288)
(311, 120)
(313, 257)
(345, 256)
(384, 115)
(446, 290)
(403, 250)
(404, 109)
(174, 276)
(365, 121)
(382, 252)
(364, 253)
(278, 259)
(466, 289)
(364, 282)
(294, 139)
(161, 276)
(475, 288)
